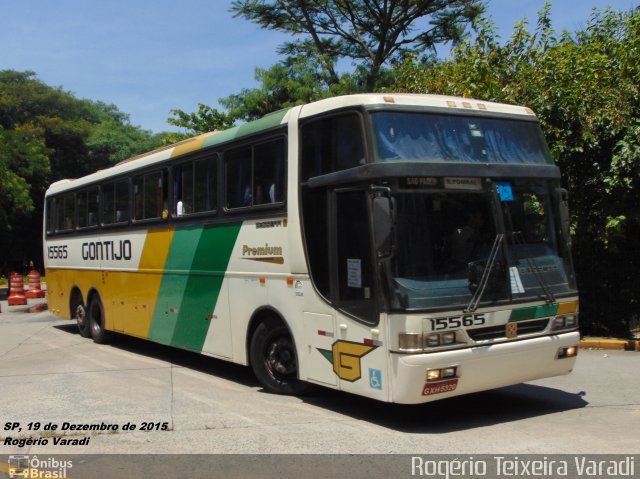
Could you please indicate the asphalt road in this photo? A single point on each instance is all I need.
(51, 375)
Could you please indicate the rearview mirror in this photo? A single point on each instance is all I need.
(382, 225)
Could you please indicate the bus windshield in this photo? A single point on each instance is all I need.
(448, 237)
(452, 138)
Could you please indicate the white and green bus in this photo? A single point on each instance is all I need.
(406, 248)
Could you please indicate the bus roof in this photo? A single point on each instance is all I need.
(281, 117)
(409, 99)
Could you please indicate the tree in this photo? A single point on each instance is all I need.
(374, 35)
(292, 81)
(584, 88)
(23, 161)
(47, 134)
(204, 120)
(369, 33)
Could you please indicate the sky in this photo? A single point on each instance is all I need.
(150, 56)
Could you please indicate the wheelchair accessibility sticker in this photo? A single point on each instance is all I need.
(375, 378)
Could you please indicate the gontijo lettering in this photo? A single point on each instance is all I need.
(107, 250)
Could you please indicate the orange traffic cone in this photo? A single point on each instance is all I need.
(34, 285)
(16, 290)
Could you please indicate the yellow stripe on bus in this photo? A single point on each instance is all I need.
(138, 312)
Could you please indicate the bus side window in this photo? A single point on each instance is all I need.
(92, 206)
(69, 213)
(122, 201)
(194, 187)
(59, 223)
(331, 144)
(51, 219)
(149, 195)
(268, 171)
(81, 207)
(108, 204)
(186, 188)
(238, 171)
(204, 174)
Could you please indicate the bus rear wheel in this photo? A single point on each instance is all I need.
(96, 321)
(273, 359)
(79, 312)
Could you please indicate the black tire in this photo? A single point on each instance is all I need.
(273, 359)
(96, 321)
(81, 315)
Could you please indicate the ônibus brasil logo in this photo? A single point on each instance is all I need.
(22, 466)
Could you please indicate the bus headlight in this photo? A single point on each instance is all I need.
(567, 321)
(448, 338)
(567, 352)
(432, 340)
(416, 342)
(443, 373)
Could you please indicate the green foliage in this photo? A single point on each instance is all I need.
(371, 34)
(584, 87)
(292, 81)
(204, 120)
(23, 161)
(47, 134)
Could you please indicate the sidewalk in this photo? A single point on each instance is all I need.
(610, 343)
(38, 303)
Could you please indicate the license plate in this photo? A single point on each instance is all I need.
(440, 387)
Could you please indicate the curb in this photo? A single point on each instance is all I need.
(619, 344)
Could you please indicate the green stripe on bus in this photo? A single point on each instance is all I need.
(251, 128)
(174, 283)
(533, 312)
(203, 287)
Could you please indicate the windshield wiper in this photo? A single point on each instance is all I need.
(518, 239)
(486, 274)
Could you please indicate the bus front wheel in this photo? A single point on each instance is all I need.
(273, 359)
(96, 321)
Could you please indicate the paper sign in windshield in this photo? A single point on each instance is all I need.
(516, 282)
(354, 273)
(504, 191)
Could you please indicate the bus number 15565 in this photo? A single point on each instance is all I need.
(453, 322)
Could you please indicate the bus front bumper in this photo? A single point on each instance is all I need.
(480, 367)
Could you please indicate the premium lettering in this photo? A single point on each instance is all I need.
(265, 250)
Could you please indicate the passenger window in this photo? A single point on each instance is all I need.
(92, 206)
(87, 207)
(51, 218)
(268, 172)
(122, 202)
(331, 144)
(65, 213)
(239, 187)
(108, 204)
(255, 175)
(115, 203)
(81, 207)
(149, 196)
(194, 187)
